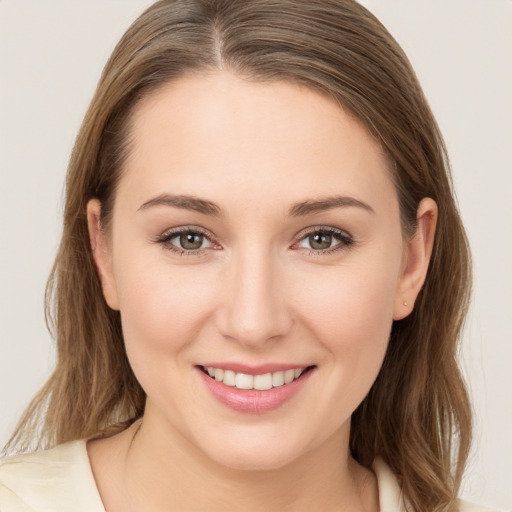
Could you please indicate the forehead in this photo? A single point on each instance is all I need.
(220, 136)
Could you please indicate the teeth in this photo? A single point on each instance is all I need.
(263, 382)
(229, 378)
(277, 379)
(243, 381)
(259, 382)
(289, 375)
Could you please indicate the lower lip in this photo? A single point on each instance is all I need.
(253, 401)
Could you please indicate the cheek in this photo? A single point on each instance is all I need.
(349, 310)
(349, 302)
(162, 308)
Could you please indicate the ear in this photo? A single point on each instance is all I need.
(101, 253)
(416, 259)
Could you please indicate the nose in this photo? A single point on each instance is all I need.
(254, 307)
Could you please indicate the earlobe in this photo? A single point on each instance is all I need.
(416, 259)
(101, 254)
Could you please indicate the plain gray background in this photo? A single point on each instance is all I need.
(51, 56)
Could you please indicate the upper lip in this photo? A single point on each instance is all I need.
(259, 369)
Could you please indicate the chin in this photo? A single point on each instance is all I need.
(262, 453)
(247, 460)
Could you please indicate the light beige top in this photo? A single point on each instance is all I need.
(61, 480)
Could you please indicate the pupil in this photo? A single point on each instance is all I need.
(191, 241)
(320, 241)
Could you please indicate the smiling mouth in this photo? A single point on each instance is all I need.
(261, 382)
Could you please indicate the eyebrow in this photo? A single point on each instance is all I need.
(185, 202)
(323, 204)
(299, 209)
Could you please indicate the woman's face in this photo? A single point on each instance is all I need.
(255, 231)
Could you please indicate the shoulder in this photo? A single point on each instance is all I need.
(59, 479)
(391, 497)
(465, 506)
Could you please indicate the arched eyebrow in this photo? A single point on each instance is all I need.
(299, 209)
(327, 203)
(185, 202)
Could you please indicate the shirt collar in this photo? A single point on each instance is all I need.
(390, 493)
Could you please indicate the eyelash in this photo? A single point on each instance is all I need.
(343, 237)
(165, 240)
(345, 240)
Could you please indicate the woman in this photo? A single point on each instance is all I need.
(261, 280)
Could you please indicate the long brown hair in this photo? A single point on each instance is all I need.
(416, 416)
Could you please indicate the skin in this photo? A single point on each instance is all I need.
(258, 292)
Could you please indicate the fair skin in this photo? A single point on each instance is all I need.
(260, 288)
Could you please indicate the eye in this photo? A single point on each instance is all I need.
(185, 241)
(325, 240)
(320, 241)
(190, 241)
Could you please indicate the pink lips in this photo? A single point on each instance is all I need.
(253, 401)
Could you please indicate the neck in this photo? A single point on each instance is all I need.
(162, 468)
